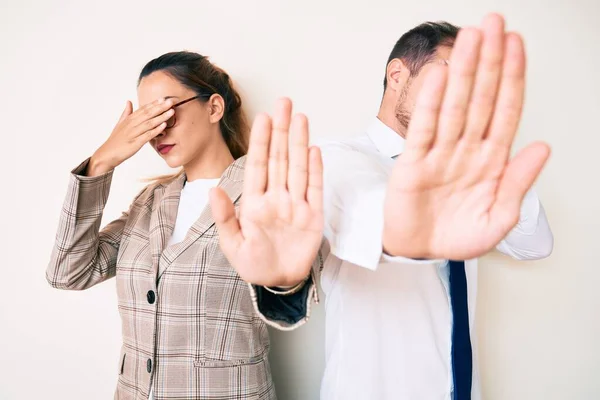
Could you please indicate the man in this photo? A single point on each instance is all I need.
(389, 319)
(431, 181)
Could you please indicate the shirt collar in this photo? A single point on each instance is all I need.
(387, 141)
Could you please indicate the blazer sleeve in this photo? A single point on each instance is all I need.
(288, 311)
(83, 255)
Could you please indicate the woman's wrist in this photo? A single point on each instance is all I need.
(97, 167)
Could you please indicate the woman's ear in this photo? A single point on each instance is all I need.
(216, 108)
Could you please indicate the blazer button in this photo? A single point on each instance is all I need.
(149, 366)
(151, 296)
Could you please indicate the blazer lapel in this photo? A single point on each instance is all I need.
(231, 182)
(164, 215)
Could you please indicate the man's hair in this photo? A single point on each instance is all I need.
(418, 46)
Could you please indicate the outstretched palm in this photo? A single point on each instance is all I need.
(454, 193)
(278, 232)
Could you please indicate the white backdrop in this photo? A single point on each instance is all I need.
(69, 66)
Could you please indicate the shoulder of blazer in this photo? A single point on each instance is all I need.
(235, 171)
(144, 199)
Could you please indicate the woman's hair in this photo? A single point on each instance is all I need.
(197, 73)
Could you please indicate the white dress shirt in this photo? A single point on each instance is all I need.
(388, 319)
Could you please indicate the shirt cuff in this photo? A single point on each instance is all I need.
(388, 259)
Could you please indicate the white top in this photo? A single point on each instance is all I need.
(194, 197)
(388, 319)
(193, 200)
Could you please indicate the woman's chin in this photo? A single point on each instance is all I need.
(173, 162)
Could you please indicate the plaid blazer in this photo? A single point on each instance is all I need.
(191, 327)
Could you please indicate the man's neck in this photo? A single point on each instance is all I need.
(390, 120)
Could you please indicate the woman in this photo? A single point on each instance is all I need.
(192, 328)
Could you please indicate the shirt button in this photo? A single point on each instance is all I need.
(149, 366)
(151, 296)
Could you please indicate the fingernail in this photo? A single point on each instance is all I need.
(161, 100)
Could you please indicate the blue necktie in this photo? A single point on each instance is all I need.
(462, 357)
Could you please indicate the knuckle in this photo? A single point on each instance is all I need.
(257, 163)
(454, 110)
(484, 99)
(301, 168)
(149, 124)
(278, 155)
(428, 107)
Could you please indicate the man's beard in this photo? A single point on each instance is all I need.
(402, 113)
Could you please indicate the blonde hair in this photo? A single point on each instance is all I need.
(162, 179)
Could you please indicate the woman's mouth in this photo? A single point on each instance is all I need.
(164, 148)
